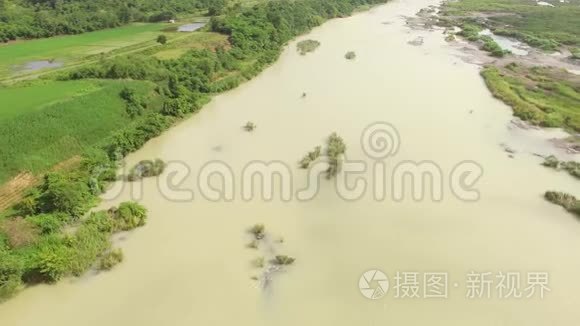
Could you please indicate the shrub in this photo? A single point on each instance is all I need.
(470, 32)
(49, 223)
(177, 107)
(162, 39)
(29, 204)
(111, 259)
(132, 139)
(250, 126)
(284, 260)
(492, 47)
(551, 162)
(87, 244)
(129, 216)
(307, 46)
(60, 193)
(351, 55)
(146, 169)
(102, 221)
(563, 199)
(11, 270)
(310, 157)
(135, 105)
(573, 168)
(259, 231)
(19, 232)
(336, 149)
(51, 261)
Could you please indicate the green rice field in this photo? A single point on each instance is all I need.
(55, 121)
(67, 49)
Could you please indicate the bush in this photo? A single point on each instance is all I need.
(129, 216)
(565, 200)
(492, 47)
(311, 157)
(177, 107)
(11, 270)
(284, 260)
(135, 105)
(259, 231)
(307, 46)
(110, 259)
(551, 162)
(146, 169)
(51, 261)
(65, 194)
(132, 139)
(335, 150)
(87, 244)
(250, 126)
(351, 55)
(49, 223)
(470, 32)
(162, 39)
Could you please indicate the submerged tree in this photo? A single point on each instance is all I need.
(310, 157)
(145, 169)
(250, 126)
(335, 151)
(307, 46)
(350, 55)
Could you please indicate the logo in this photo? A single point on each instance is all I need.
(373, 284)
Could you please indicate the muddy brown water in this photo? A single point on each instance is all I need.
(190, 264)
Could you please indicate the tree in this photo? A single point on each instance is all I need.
(216, 7)
(63, 194)
(162, 39)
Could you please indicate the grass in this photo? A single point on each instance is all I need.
(39, 136)
(540, 95)
(539, 26)
(34, 97)
(67, 49)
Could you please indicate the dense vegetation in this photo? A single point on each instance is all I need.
(569, 202)
(44, 18)
(540, 95)
(50, 234)
(539, 26)
(573, 168)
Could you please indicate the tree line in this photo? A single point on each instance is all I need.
(30, 19)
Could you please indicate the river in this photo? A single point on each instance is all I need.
(190, 264)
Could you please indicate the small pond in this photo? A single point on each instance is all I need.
(190, 27)
(38, 65)
(516, 47)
